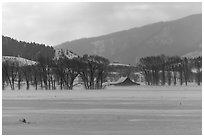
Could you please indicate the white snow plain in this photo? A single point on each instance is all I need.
(137, 110)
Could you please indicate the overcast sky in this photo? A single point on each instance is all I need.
(54, 23)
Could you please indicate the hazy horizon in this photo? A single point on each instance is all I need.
(55, 23)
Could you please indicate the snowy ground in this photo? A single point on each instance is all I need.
(127, 110)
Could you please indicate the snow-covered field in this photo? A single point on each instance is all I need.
(116, 110)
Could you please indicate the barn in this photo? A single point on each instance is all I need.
(124, 81)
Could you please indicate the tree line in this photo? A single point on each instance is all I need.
(93, 71)
(52, 73)
(159, 70)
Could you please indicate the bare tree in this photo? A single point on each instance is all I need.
(6, 74)
(35, 75)
(94, 71)
(20, 76)
(198, 65)
(26, 70)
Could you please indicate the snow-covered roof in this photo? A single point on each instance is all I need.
(121, 79)
(195, 70)
(114, 73)
(138, 73)
(119, 64)
(124, 81)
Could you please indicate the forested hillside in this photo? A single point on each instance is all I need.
(32, 51)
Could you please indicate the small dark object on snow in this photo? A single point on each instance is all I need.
(180, 103)
(24, 121)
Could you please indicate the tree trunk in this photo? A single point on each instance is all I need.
(9, 81)
(61, 82)
(3, 84)
(181, 78)
(169, 78)
(175, 78)
(35, 82)
(28, 84)
(163, 75)
(19, 84)
(199, 77)
(13, 84)
(101, 80)
(54, 84)
(36, 85)
(71, 84)
(49, 84)
(41, 83)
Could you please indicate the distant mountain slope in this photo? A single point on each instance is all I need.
(195, 53)
(18, 60)
(178, 37)
(12, 47)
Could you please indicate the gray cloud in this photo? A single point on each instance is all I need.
(54, 23)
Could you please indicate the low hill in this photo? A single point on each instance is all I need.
(18, 60)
